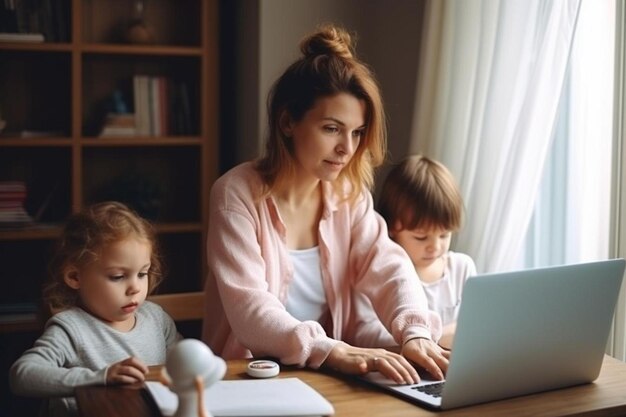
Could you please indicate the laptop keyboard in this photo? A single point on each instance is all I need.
(433, 390)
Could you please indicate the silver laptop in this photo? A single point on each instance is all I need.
(524, 332)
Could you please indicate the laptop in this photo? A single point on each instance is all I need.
(523, 332)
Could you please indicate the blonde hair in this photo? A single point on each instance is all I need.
(82, 240)
(421, 192)
(328, 67)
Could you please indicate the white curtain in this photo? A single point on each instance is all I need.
(571, 221)
(489, 85)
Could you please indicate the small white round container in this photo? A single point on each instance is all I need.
(263, 369)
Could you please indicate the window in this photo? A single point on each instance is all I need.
(571, 221)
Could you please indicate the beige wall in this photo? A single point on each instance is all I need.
(388, 40)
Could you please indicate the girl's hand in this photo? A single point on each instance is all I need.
(128, 371)
(353, 360)
(428, 355)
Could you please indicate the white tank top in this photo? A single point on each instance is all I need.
(306, 299)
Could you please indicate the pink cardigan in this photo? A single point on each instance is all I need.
(250, 271)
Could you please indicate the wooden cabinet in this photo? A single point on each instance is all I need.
(55, 96)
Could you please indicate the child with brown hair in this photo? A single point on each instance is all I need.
(104, 332)
(422, 206)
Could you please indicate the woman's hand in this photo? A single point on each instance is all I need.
(128, 371)
(353, 360)
(428, 355)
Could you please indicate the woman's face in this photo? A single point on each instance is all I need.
(326, 138)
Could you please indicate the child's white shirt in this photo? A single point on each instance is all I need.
(444, 297)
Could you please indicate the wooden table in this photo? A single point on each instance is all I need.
(604, 397)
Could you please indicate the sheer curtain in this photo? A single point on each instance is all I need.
(486, 105)
(571, 221)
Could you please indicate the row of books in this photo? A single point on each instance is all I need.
(34, 21)
(162, 107)
(12, 212)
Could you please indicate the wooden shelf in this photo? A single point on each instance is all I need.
(142, 141)
(157, 50)
(68, 88)
(35, 142)
(37, 47)
(26, 325)
(110, 49)
(51, 231)
(35, 232)
(179, 227)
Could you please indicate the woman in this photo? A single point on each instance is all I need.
(293, 236)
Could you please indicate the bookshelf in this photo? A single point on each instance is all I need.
(56, 95)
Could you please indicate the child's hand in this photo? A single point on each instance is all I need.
(128, 371)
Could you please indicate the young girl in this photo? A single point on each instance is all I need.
(422, 206)
(293, 235)
(103, 332)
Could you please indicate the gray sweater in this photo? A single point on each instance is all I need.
(76, 349)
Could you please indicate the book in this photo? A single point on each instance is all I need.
(117, 131)
(151, 97)
(35, 21)
(158, 109)
(61, 21)
(179, 101)
(19, 307)
(163, 105)
(12, 312)
(120, 120)
(185, 102)
(118, 124)
(17, 317)
(22, 37)
(251, 398)
(12, 212)
(141, 98)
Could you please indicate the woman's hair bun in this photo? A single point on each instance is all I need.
(328, 40)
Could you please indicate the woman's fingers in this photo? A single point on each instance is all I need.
(428, 355)
(395, 367)
(352, 360)
(432, 367)
(423, 352)
(442, 359)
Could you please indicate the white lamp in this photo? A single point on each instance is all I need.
(193, 368)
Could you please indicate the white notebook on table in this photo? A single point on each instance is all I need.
(252, 398)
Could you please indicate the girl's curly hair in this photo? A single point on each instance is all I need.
(82, 240)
